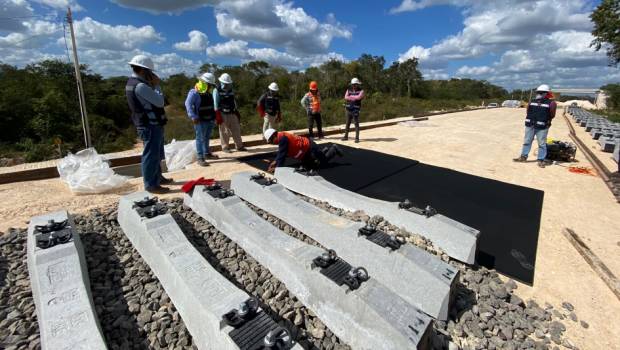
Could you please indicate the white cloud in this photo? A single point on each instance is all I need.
(277, 23)
(37, 34)
(166, 6)
(13, 13)
(61, 4)
(232, 48)
(96, 35)
(198, 41)
(114, 63)
(413, 5)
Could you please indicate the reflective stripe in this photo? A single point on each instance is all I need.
(298, 154)
(528, 120)
(544, 105)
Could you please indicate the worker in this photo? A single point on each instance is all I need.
(353, 103)
(312, 103)
(226, 109)
(146, 103)
(200, 106)
(268, 107)
(300, 148)
(540, 112)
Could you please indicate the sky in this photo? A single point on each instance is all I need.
(514, 44)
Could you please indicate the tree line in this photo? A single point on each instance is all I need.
(39, 104)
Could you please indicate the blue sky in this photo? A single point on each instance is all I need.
(517, 43)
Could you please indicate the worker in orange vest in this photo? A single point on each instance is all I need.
(300, 148)
(312, 103)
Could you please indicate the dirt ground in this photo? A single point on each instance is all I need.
(481, 143)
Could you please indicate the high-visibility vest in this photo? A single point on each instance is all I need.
(298, 146)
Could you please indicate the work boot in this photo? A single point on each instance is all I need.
(541, 163)
(227, 150)
(242, 149)
(345, 138)
(158, 190)
(520, 159)
(202, 162)
(357, 140)
(212, 156)
(165, 181)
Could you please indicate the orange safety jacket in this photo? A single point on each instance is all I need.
(315, 102)
(298, 146)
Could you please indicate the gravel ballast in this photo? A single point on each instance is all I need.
(136, 313)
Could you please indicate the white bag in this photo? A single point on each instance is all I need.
(88, 172)
(180, 154)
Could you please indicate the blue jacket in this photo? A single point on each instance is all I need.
(192, 102)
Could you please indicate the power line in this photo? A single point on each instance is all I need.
(15, 44)
(64, 35)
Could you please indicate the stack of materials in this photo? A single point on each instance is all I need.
(600, 128)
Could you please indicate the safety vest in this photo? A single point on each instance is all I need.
(227, 101)
(539, 114)
(140, 115)
(298, 146)
(206, 111)
(315, 102)
(272, 104)
(354, 105)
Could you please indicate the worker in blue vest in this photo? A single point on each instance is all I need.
(146, 102)
(540, 112)
(353, 103)
(200, 107)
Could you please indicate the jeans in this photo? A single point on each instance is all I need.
(203, 135)
(541, 137)
(315, 117)
(153, 138)
(353, 116)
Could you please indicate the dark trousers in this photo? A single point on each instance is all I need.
(317, 157)
(353, 116)
(153, 138)
(315, 117)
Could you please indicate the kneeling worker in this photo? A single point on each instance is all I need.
(300, 148)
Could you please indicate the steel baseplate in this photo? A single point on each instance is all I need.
(217, 313)
(456, 239)
(60, 284)
(367, 316)
(418, 277)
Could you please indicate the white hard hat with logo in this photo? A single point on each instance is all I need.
(543, 88)
(225, 79)
(269, 133)
(142, 61)
(208, 78)
(356, 81)
(273, 87)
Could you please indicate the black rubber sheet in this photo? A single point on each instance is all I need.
(507, 215)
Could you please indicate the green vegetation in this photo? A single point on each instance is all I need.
(606, 19)
(39, 104)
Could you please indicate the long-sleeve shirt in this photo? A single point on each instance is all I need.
(260, 106)
(282, 151)
(354, 97)
(192, 102)
(306, 102)
(149, 97)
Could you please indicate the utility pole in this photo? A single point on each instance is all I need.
(80, 87)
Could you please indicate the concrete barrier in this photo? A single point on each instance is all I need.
(202, 296)
(369, 317)
(417, 276)
(60, 284)
(456, 239)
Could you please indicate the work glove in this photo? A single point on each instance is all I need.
(218, 117)
(272, 167)
(196, 121)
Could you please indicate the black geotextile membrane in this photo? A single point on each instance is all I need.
(507, 215)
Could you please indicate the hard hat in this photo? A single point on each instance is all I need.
(142, 61)
(355, 81)
(543, 88)
(269, 133)
(314, 85)
(208, 78)
(273, 87)
(225, 79)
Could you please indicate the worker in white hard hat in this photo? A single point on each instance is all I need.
(353, 103)
(268, 107)
(146, 102)
(540, 112)
(300, 148)
(200, 107)
(226, 107)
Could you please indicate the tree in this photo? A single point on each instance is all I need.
(606, 18)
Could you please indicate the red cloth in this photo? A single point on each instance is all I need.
(189, 185)
(218, 117)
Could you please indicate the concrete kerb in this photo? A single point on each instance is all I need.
(61, 288)
(459, 241)
(370, 317)
(197, 290)
(418, 277)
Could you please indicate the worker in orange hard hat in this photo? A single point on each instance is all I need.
(312, 103)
